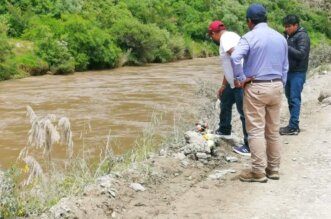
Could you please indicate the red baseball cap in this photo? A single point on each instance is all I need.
(215, 26)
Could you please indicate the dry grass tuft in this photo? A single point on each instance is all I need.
(44, 134)
(66, 135)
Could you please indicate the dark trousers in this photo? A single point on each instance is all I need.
(293, 89)
(228, 98)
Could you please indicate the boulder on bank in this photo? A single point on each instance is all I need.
(203, 145)
(199, 145)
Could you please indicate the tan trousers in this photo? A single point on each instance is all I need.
(262, 102)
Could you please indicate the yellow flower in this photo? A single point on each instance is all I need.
(21, 212)
(25, 168)
(205, 137)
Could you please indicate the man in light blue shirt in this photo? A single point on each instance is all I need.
(263, 77)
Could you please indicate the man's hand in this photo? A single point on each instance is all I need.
(220, 91)
(241, 84)
(246, 81)
(237, 84)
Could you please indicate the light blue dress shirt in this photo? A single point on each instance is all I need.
(264, 51)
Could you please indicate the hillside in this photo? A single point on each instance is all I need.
(63, 36)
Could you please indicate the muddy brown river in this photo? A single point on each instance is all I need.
(119, 102)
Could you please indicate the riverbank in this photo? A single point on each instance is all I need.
(168, 185)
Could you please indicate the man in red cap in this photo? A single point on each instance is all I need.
(228, 93)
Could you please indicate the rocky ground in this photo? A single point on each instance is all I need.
(172, 185)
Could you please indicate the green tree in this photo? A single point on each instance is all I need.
(7, 69)
(67, 6)
(91, 47)
(57, 54)
(147, 42)
(5, 48)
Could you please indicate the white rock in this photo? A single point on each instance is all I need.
(204, 161)
(185, 163)
(194, 148)
(220, 174)
(231, 159)
(211, 143)
(192, 137)
(137, 187)
(209, 136)
(202, 155)
(105, 181)
(180, 156)
(207, 149)
(162, 152)
(102, 185)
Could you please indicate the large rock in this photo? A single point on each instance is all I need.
(103, 186)
(195, 148)
(137, 187)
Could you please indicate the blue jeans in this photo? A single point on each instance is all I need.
(228, 98)
(293, 89)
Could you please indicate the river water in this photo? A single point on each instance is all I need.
(119, 102)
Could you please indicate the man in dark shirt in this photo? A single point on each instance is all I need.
(298, 56)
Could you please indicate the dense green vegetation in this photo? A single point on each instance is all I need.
(63, 36)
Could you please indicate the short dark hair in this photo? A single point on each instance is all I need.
(256, 21)
(291, 19)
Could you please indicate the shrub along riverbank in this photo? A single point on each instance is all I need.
(63, 36)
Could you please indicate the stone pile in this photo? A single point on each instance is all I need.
(200, 146)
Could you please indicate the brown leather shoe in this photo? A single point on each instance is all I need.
(249, 176)
(272, 174)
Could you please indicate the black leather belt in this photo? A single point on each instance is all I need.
(266, 81)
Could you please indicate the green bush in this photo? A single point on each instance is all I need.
(5, 47)
(67, 6)
(57, 55)
(31, 64)
(85, 39)
(8, 70)
(86, 45)
(178, 47)
(9, 204)
(148, 42)
(40, 27)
